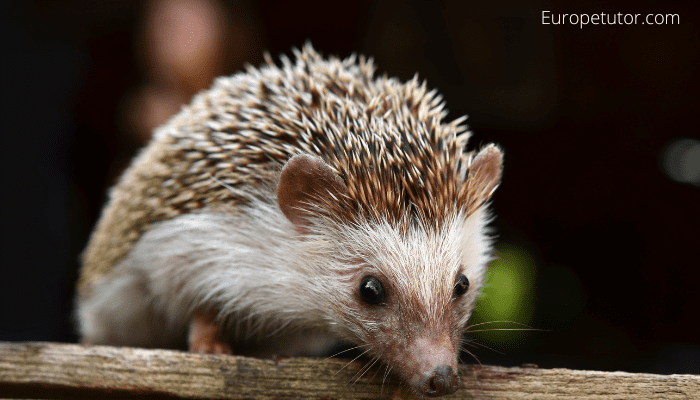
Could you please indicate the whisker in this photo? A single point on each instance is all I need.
(369, 366)
(350, 362)
(346, 350)
(373, 376)
(494, 322)
(388, 369)
(473, 343)
(343, 351)
(471, 354)
(508, 329)
(357, 373)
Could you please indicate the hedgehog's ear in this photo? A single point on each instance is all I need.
(306, 181)
(485, 173)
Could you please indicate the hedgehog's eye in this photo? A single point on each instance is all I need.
(461, 286)
(371, 290)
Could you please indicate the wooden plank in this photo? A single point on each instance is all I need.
(51, 370)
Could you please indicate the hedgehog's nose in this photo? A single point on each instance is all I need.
(441, 382)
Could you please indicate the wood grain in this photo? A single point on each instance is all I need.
(52, 370)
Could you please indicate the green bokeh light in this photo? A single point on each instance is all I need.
(508, 294)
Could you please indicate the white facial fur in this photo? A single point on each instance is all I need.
(420, 324)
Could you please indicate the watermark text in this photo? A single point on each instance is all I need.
(549, 18)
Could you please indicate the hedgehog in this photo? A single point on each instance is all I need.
(293, 207)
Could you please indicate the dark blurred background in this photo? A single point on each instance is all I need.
(601, 189)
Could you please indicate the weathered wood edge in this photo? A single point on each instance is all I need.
(52, 370)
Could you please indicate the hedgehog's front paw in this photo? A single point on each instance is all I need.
(205, 336)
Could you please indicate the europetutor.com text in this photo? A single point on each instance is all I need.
(548, 18)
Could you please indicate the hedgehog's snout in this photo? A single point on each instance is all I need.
(443, 380)
(430, 366)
